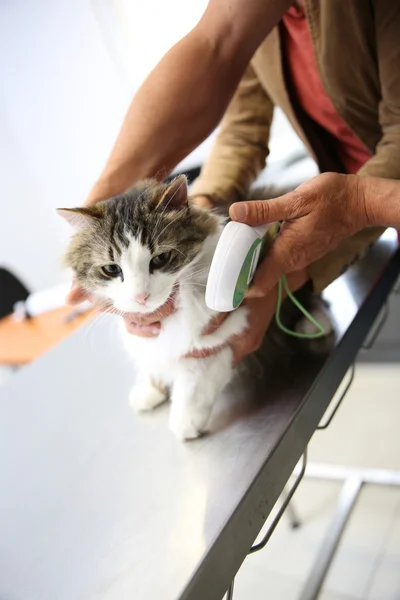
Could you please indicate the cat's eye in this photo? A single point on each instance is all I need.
(160, 260)
(112, 270)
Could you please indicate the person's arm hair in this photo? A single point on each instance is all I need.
(184, 97)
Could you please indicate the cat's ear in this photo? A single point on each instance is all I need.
(79, 218)
(176, 194)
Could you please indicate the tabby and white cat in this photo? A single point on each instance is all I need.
(135, 252)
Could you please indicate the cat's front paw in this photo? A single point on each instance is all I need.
(182, 427)
(145, 396)
(188, 424)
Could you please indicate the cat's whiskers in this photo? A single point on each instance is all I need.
(112, 310)
(101, 312)
(162, 213)
(168, 248)
(182, 253)
(194, 274)
(192, 281)
(187, 283)
(154, 232)
(198, 269)
(94, 325)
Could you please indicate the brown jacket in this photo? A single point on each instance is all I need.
(357, 47)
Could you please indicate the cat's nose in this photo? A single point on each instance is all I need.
(141, 298)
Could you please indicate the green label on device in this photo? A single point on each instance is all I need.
(242, 283)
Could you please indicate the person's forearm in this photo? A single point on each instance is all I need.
(185, 96)
(381, 201)
(155, 136)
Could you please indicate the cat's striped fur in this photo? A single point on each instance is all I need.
(135, 252)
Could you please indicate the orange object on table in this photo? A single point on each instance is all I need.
(23, 341)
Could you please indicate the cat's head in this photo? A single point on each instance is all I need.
(132, 249)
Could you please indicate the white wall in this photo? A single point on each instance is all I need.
(68, 70)
(150, 28)
(61, 104)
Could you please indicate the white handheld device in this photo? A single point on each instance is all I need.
(233, 265)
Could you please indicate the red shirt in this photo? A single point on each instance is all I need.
(310, 92)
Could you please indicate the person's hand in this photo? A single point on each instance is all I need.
(142, 325)
(261, 313)
(100, 191)
(318, 215)
(76, 295)
(148, 325)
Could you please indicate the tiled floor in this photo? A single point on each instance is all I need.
(364, 433)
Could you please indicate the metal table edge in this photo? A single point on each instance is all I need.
(220, 565)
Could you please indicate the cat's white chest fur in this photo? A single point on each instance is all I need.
(163, 368)
(182, 332)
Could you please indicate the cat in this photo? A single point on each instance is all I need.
(138, 251)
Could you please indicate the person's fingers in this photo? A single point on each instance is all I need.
(286, 254)
(266, 277)
(139, 321)
(210, 328)
(76, 295)
(149, 330)
(260, 212)
(240, 348)
(143, 320)
(214, 323)
(205, 352)
(167, 309)
(246, 343)
(260, 314)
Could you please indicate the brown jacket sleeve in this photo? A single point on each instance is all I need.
(386, 159)
(241, 147)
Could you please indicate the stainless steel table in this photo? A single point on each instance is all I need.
(97, 503)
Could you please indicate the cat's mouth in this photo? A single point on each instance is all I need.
(160, 309)
(169, 302)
